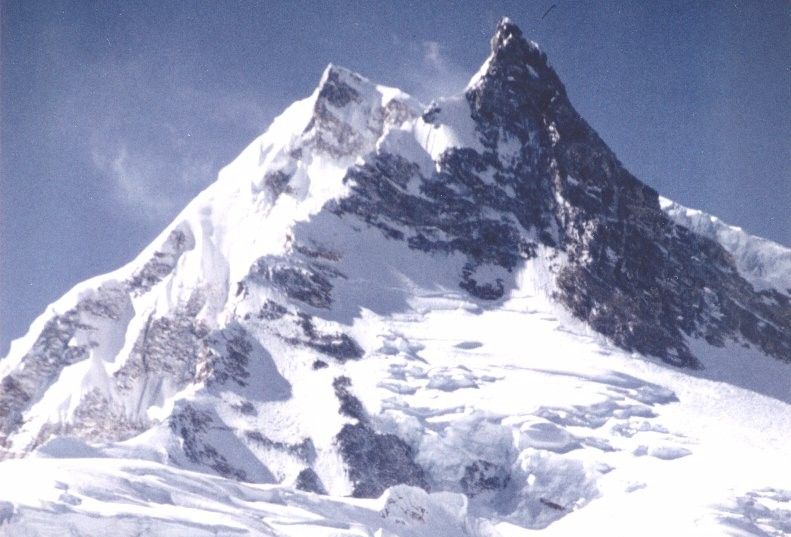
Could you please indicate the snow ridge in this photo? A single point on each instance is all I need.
(766, 264)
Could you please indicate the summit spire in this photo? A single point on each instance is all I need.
(505, 33)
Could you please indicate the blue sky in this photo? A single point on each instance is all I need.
(115, 114)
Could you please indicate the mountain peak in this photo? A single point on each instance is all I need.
(517, 65)
(506, 32)
(340, 86)
(350, 112)
(323, 316)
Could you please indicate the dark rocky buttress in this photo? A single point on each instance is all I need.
(630, 272)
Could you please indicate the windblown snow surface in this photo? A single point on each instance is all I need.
(270, 367)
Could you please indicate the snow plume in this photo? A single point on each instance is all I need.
(148, 140)
(426, 69)
(133, 185)
(145, 184)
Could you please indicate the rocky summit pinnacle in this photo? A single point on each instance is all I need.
(629, 271)
(509, 46)
(633, 274)
(469, 308)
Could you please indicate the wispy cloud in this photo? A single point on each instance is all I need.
(428, 70)
(149, 187)
(155, 145)
(432, 55)
(131, 185)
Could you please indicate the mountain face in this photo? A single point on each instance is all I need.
(540, 174)
(454, 307)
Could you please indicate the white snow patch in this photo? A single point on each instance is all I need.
(453, 127)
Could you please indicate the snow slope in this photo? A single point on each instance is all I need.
(590, 429)
(365, 327)
(592, 437)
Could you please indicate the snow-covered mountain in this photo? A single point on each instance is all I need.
(385, 318)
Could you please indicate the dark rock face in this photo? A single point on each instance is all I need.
(452, 213)
(350, 405)
(484, 291)
(449, 215)
(329, 133)
(190, 425)
(308, 480)
(304, 450)
(226, 358)
(377, 461)
(311, 286)
(276, 183)
(162, 263)
(337, 345)
(482, 476)
(270, 311)
(168, 346)
(313, 250)
(337, 92)
(309, 283)
(396, 112)
(246, 409)
(630, 272)
(13, 400)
